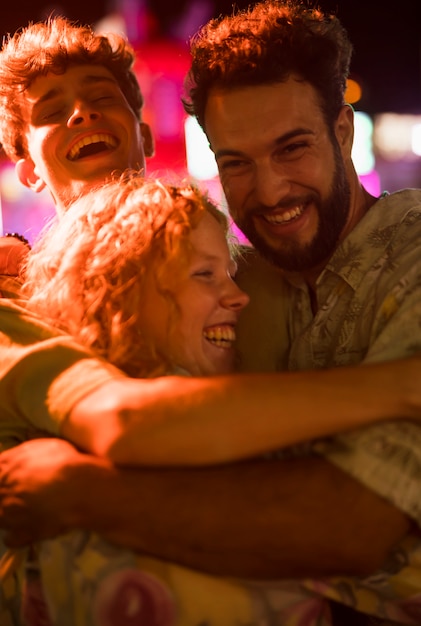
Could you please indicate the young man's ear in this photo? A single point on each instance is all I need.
(148, 141)
(25, 170)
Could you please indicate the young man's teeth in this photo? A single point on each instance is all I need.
(285, 217)
(221, 336)
(86, 141)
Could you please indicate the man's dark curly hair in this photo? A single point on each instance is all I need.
(54, 46)
(266, 44)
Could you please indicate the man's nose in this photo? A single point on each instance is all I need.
(83, 112)
(271, 185)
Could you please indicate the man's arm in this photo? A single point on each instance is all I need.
(259, 519)
(266, 519)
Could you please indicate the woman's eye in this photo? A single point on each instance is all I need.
(204, 273)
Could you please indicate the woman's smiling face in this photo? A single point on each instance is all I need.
(200, 339)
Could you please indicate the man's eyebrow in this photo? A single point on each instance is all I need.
(296, 132)
(48, 95)
(91, 79)
(99, 78)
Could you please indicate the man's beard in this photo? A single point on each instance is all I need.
(333, 214)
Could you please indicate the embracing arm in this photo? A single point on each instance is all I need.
(201, 421)
(260, 519)
(263, 519)
(256, 518)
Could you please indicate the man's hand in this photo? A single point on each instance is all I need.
(261, 519)
(39, 490)
(12, 254)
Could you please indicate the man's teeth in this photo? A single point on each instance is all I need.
(86, 141)
(284, 217)
(220, 336)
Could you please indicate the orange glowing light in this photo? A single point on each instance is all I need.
(353, 91)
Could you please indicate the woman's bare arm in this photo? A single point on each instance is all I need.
(174, 421)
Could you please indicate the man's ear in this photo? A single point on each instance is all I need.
(148, 141)
(344, 129)
(25, 170)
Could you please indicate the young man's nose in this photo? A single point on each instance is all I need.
(82, 113)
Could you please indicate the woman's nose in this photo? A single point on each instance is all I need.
(235, 298)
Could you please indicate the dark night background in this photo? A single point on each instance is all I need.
(387, 39)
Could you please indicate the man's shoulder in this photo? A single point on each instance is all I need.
(401, 213)
(395, 219)
(257, 273)
(262, 331)
(402, 201)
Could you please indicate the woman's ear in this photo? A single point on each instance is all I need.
(25, 170)
(148, 141)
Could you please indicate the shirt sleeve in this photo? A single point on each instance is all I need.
(43, 375)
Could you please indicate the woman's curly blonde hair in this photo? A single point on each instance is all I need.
(87, 272)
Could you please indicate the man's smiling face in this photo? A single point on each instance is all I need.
(80, 129)
(284, 173)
